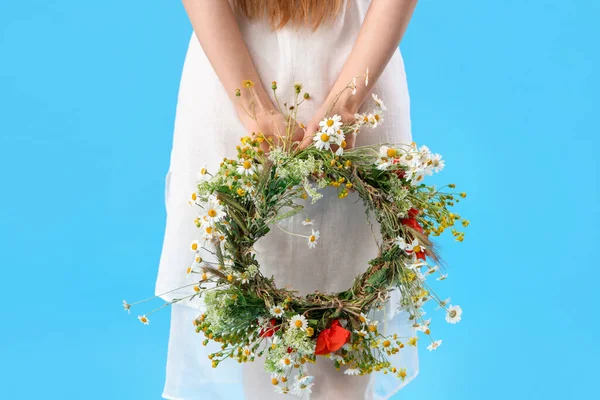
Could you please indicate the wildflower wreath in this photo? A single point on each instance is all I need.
(249, 315)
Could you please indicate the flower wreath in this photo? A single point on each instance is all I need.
(249, 315)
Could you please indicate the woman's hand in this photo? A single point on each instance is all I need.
(273, 125)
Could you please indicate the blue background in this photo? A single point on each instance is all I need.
(504, 89)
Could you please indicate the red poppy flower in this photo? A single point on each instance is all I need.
(332, 338)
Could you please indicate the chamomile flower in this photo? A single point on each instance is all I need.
(331, 125)
(307, 221)
(247, 167)
(352, 371)
(282, 389)
(312, 239)
(363, 319)
(434, 345)
(437, 164)
(143, 319)
(414, 246)
(299, 322)
(286, 362)
(203, 174)
(454, 314)
(378, 102)
(303, 385)
(247, 352)
(213, 211)
(195, 246)
(193, 199)
(401, 243)
(276, 310)
(376, 118)
(323, 140)
(127, 306)
(442, 277)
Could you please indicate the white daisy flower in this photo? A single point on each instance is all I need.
(378, 102)
(361, 332)
(299, 322)
(193, 199)
(143, 319)
(414, 246)
(352, 371)
(282, 389)
(307, 221)
(246, 168)
(386, 152)
(323, 140)
(363, 319)
(376, 118)
(312, 239)
(127, 306)
(247, 352)
(303, 385)
(203, 174)
(286, 362)
(361, 119)
(213, 210)
(454, 314)
(434, 345)
(331, 125)
(437, 164)
(401, 243)
(336, 357)
(276, 310)
(195, 246)
(442, 277)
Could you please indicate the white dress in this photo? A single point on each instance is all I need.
(206, 130)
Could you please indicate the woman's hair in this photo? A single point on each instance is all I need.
(298, 12)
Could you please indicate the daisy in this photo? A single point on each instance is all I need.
(437, 164)
(282, 389)
(247, 352)
(454, 314)
(126, 306)
(307, 221)
(415, 247)
(331, 125)
(323, 140)
(442, 277)
(143, 319)
(246, 168)
(203, 174)
(303, 385)
(286, 362)
(401, 243)
(376, 118)
(299, 322)
(434, 345)
(193, 198)
(363, 319)
(378, 102)
(195, 246)
(312, 239)
(352, 371)
(276, 310)
(213, 211)
(361, 333)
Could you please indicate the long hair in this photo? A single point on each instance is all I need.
(298, 12)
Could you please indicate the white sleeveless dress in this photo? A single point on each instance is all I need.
(206, 130)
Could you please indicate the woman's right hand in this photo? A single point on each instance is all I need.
(273, 125)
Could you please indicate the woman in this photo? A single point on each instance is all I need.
(323, 44)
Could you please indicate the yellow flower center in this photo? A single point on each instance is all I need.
(372, 328)
(343, 144)
(391, 153)
(376, 116)
(274, 381)
(212, 213)
(194, 246)
(247, 164)
(189, 270)
(287, 361)
(247, 352)
(386, 343)
(325, 137)
(313, 238)
(196, 289)
(362, 319)
(204, 277)
(298, 323)
(277, 310)
(330, 122)
(194, 196)
(452, 314)
(144, 319)
(209, 229)
(417, 249)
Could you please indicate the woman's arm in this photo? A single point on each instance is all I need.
(379, 37)
(219, 35)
